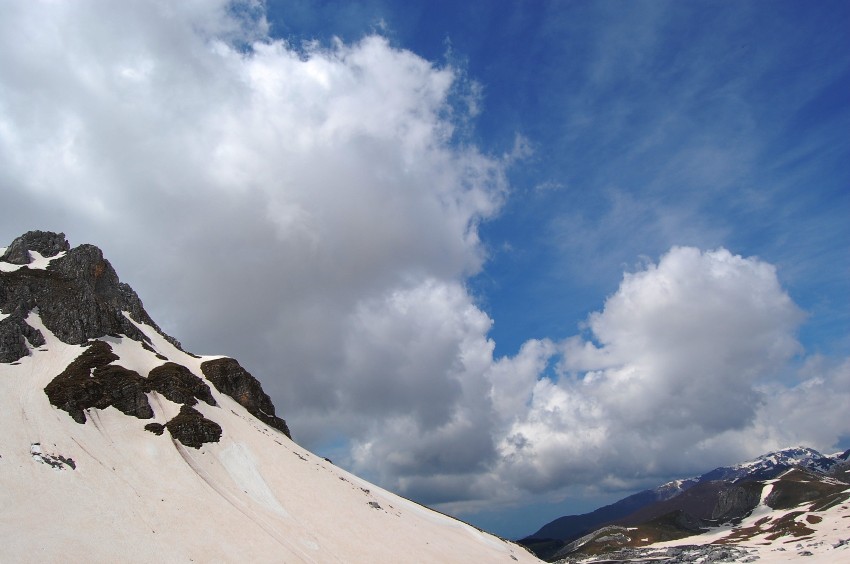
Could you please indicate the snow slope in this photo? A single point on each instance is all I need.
(108, 490)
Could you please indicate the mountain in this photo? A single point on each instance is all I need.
(118, 445)
(784, 497)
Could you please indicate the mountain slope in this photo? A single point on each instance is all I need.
(802, 514)
(168, 463)
(767, 506)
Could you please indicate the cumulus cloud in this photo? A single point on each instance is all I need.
(677, 356)
(686, 367)
(314, 211)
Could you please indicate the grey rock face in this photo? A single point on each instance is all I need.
(736, 502)
(228, 377)
(44, 242)
(78, 297)
(15, 333)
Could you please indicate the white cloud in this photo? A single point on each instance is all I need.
(677, 356)
(681, 371)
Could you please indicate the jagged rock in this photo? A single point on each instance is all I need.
(15, 333)
(43, 242)
(91, 382)
(193, 429)
(230, 378)
(78, 297)
(177, 383)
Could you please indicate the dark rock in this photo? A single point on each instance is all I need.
(736, 502)
(178, 384)
(230, 378)
(15, 333)
(91, 382)
(126, 391)
(155, 428)
(193, 429)
(56, 461)
(44, 242)
(79, 296)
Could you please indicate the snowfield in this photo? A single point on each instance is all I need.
(110, 491)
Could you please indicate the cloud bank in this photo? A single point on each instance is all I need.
(313, 210)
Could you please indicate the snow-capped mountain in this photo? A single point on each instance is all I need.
(118, 445)
(772, 464)
(795, 495)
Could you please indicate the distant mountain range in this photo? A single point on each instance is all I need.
(693, 506)
(116, 445)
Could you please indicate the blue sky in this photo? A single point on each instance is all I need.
(511, 259)
(652, 124)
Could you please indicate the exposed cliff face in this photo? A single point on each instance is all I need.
(230, 378)
(78, 297)
(736, 501)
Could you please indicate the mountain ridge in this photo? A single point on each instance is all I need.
(728, 494)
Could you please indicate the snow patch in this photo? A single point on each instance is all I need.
(240, 464)
(39, 261)
(9, 267)
(172, 353)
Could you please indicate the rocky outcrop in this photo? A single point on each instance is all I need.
(736, 502)
(45, 243)
(193, 429)
(178, 384)
(230, 378)
(16, 338)
(90, 381)
(78, 296)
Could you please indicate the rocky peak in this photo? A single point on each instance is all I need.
(78, 296)
(45, 243)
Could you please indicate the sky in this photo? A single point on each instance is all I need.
(511, 259)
